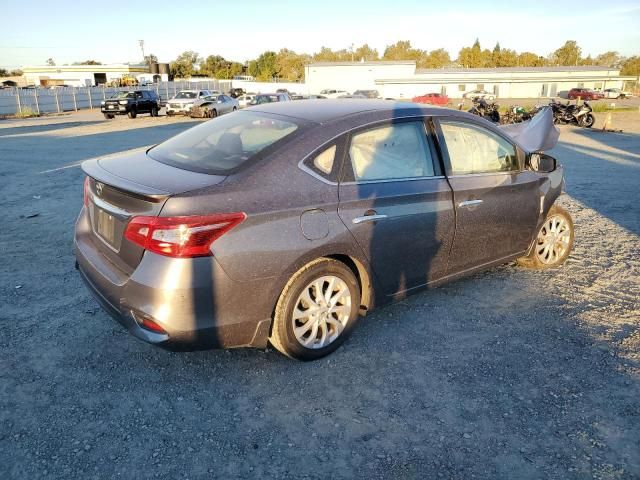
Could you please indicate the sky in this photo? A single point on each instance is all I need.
(242, 29)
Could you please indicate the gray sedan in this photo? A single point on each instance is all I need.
(284, 223)
(213, 105)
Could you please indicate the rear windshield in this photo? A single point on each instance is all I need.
(223, 144)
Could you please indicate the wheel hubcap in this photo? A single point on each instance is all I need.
(321, 312)
(553, 239)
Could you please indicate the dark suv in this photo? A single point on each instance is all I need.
(131, 103)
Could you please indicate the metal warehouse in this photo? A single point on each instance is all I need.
(401, 79)
(87, 75)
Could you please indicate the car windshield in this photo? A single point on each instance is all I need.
(186, 95)
(222, 144)
(259, 99)
(124, 95)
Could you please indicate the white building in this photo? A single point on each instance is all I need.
(403, 80)
(84, 75)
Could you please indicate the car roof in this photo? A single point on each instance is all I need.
(327, 110)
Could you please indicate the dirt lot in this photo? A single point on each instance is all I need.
(507, 374)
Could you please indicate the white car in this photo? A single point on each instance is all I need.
(479, 94)
(244, 100)
(616, 93)
(332, 93)
(182, 102)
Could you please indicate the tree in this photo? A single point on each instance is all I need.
(609, 59)
(50, 62)
(631, 67)
(184, 65)
(4, 72)
(290, 65)
(366, 53)
(149, 59)
(435, 59)
(567, 55)
(16, 73)
(264, 67)
(529, 59)
(474, 56)
(88, 62)
(402, 50)
(218, 67)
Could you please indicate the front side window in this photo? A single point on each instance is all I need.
(474, 149)
(224, 143)
(394, 151)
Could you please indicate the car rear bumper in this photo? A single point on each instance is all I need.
(193, 300)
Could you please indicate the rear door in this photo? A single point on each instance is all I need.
(397, 204)
(497, 203)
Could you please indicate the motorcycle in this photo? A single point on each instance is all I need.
(515, 114)
(567, 114)
(485, 109)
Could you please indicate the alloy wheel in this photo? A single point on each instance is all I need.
(321, 312)
(554, 239)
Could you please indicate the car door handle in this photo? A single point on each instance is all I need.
(368, 218)
(469, 203)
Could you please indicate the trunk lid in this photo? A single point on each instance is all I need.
(123, 186)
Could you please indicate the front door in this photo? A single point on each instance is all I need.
(397, 205)
(497, 203)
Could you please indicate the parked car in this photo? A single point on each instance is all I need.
(616, 93)
(243, 100)
(479, 94)
(236, 92)
(285, 222)
(261, 98)
(367, 93)
(131, 103)
(214, 105)
(182, 102)
(432, 99)
(331, 93)
(584, 94)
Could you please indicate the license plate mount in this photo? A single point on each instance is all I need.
(105, 226)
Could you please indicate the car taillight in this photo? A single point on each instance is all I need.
(86, 191)
(181, 237)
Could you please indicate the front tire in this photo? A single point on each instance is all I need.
(553, 242)
(154, 111)
(587, 121)
(317, 310)
(108, 116)
(132, 113)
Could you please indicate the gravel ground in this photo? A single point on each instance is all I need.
(507, 374)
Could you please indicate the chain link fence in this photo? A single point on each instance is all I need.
(37, 101)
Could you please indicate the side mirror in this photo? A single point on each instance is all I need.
(541, 162)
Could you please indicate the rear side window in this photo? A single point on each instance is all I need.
(223, 144)
(474, 149)
(394, 151)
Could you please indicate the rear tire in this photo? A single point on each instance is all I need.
(553, 242)
(325, 297)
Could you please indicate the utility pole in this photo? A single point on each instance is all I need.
(141, 43)
(351, 48)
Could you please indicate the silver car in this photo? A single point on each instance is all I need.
(182, 102)
(214, 105)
